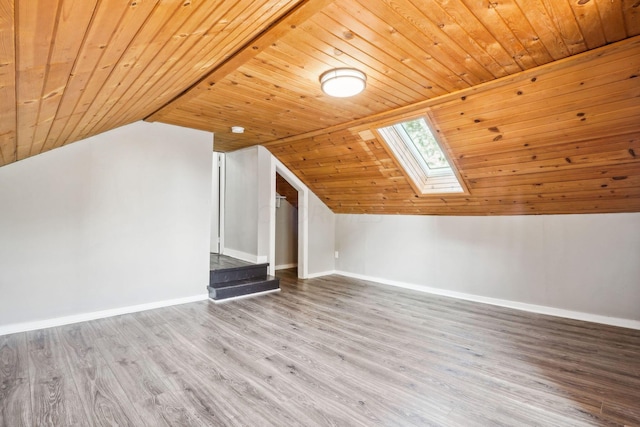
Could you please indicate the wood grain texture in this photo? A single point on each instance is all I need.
(71, 69)
(570, 147)
(410, 51)
(55, 398)
(286, 190)
(15, 397)
(327, 351)
(99, 391)
(8, 117)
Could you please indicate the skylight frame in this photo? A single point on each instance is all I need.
(424, 180)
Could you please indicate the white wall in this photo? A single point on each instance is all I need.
(117, 220)
(266, 203)
(241, 204)
(286, 235)
(250, 213)
(582, 263)
(322, 232)
(215, 235)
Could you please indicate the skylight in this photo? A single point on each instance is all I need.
(417, 134)
(418, 152)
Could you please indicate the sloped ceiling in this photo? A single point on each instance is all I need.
(536, 101)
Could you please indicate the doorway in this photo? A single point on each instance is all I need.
(286, 221)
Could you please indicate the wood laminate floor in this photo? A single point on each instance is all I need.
(221, 262)
(331, 351)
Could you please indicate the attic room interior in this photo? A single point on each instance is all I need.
(456, 244)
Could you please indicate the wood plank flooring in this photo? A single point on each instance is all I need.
(221, 262)
(329, 351)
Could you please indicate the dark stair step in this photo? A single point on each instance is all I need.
(255, 272)
(236, 288)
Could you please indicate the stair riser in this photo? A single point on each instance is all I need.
(221, 276)
(247, 289)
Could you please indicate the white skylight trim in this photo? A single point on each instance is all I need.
(418, 152)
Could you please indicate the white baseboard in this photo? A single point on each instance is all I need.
(320, 274)
(256, 294)
(286, 266)
(76, 318)
(244, 256)
(541, 309)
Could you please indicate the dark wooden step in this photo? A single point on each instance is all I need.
(255, 272)
(236, 288)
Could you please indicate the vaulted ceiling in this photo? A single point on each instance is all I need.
(536, 102)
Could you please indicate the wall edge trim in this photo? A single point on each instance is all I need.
(244, 256)
(532, 308)
(94, 315)
(321, 273)
(286, 266)
(239, 297)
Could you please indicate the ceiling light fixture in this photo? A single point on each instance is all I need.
(343, 82)
(237, 129)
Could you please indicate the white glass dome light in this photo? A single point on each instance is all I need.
(343, 82)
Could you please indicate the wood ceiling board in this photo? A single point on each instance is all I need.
(110, 33)
(541, 94)
(506, 201)
(8, 140)
(477, 33)
(577, 78)
(542, 23)
(285, 189)
(543, 178)
(92, 66)
(601, 159)
(96, 38)
(583, 207)
(36, 29)
(631, 11)
(64, 50)
(589, 22)
(85, 66)
(566, 150)
(151, 45)
(395, 92)
(130, 37)
(388, 41)
(384, 31)
(452, 24)
(500, 30)
(566, 126)
(603, 125)
(612, 20)
(588, 166)
(300, 13)
(216, 44)
(567, 28)
(319, 35)
(573, 113)
(517, 20)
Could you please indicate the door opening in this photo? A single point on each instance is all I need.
(286, 233)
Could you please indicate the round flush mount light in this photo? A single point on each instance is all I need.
(237, 129)
(343, 82)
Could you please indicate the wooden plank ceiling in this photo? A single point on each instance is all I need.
(70, 69)
(536, 101)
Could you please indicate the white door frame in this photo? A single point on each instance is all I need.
(303, 218)
(217, 238)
